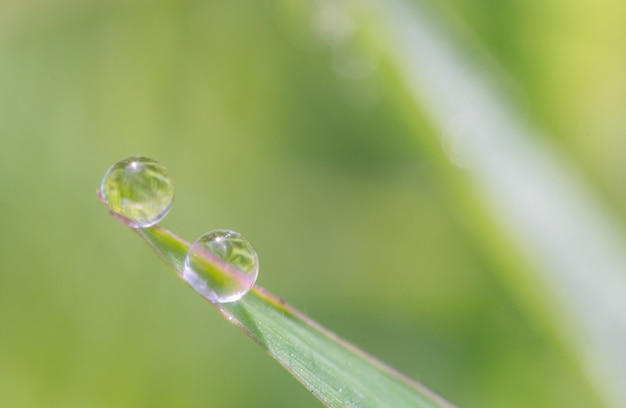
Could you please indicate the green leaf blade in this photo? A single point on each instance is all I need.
(336, 372)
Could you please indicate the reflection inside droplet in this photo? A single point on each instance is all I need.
(138, 191)
(221, 265)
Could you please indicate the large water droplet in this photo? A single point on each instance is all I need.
(138, 191)
(222, 266)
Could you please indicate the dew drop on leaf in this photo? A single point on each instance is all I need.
(222, 266)
(138, 191)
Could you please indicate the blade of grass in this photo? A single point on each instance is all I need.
(336, 372)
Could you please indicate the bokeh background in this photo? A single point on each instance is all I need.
(282, 121)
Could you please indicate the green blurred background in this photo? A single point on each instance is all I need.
(342, 188)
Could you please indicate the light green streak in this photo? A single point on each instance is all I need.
(555, 219)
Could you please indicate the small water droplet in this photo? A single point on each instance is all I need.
(222, 266)
(138, 191)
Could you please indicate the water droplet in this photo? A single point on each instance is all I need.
(222, 266)
(138, 191)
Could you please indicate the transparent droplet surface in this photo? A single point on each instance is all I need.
(222, 266)
(138, 191)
